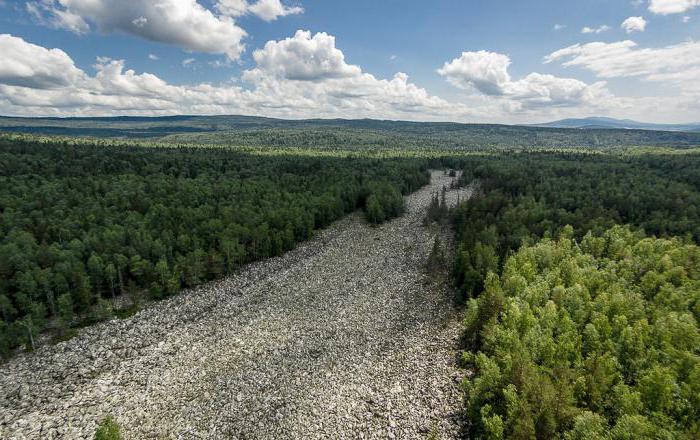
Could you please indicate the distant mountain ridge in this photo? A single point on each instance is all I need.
(254, 131)
(610, 123)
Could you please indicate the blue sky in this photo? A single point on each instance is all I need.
(468, 61)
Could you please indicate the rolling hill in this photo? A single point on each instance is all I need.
(610, 123)
(351, 133)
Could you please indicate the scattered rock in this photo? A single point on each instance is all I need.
(343, 337)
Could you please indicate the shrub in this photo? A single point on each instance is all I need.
(108, 430)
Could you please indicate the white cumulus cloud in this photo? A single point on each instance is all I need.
(305, 57)
(666, 7)
(233, 8)
(140, 22)
(268, 10)
(46, 12)
(184, 23)
(487, 72)
(597, 30)
(626, 59)
(28, 65)
(634, 24)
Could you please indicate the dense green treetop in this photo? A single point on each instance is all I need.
(591, 339)
(81, 224)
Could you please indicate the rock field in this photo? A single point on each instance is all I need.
(344, 337)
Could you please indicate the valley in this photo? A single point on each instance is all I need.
(346, 336)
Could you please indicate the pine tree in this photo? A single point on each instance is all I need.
(436, 259)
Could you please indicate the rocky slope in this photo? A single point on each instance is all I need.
(344, 337)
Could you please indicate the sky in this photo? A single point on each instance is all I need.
(498, 61)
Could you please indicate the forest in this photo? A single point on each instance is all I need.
(579, 268)
(578, 327)
(359, 134)
(589, 339)
(82, 225)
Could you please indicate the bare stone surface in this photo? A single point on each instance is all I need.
(344, 337)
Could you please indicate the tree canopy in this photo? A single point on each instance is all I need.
(82, 224)
(590, 339)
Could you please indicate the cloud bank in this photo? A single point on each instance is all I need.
(487, 73)
(301, 76)
(676, 65)
(307, 75)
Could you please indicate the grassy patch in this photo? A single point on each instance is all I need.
(108, 430)
(126, 312)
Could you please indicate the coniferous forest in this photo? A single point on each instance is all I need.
(578, 327)
(82, 225)
(579, 270)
